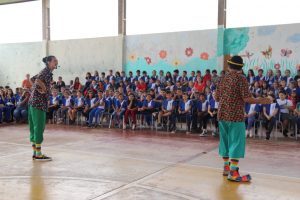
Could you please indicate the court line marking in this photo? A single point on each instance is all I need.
(63, 177)
(183, 162)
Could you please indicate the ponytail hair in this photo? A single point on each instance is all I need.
(48, 59)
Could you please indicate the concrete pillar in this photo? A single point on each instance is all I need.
(222, 59)
(122, 28)
(122, 17)
(46, 24)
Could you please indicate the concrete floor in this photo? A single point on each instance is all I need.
(141, 165)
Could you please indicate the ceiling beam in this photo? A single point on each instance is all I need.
(4, 2)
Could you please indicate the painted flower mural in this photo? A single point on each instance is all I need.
(148, 60)
(204, 56)
(176, 63)
(277, 66)
(163, 54)
(132, 57)
(189, 52)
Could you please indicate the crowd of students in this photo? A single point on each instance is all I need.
(160, 99)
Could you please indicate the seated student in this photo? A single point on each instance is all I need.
(250, 113)
(97, 110)
(89, 104)
(10, 104)
(78, 107)
(167, 110)
(120, 106)
(131, 111)
(147, 109)
(202, 113)
(158, 102)
(287, 77)
(285, 107)
(141, 86)
(213, 112)
(208, 94)
(53, 104)
(20, 113)
(67, 103)
(278, 76)
(260, 77)
(2, 107)
(270, 113)
(190, 88)
(275, 89)
(269, 78)
(192, 78)
(256, 89)
(185, 109)
(285, 88)
(170, 86)
(297, 119)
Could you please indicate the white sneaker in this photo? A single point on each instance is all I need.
(133, 127)
(124, 126)
(204, 133)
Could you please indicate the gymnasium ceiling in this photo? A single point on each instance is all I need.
(3, 2)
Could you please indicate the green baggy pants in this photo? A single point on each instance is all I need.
(37, 122)
(232, 139)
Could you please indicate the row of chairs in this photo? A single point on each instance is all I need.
(106, 119)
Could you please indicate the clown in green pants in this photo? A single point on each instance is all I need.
(231, 94)
(37, 122)
(38, 106)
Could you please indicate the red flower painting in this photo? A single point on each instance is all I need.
(204, 56)
(163, 54)
(189, 52)
(148, 60)
(277, 66)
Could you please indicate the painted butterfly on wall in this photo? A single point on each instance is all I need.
(286, 52)
(267, 53)
(247, 54)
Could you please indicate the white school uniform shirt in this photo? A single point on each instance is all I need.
(216, 105)
(93, 101)
(79, 101)
(285, 102)
(170, 105)
(204, 105)
(187, 105)
(153, 85)
(252, 109)
(272, 108)
(54, 99)
(149, 104)
(101, 101)
(68, 101)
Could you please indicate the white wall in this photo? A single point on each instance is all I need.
(76, 57)
(16, 60)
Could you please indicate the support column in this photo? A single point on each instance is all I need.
(122, 29)
(46, 24)
(222, 59)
